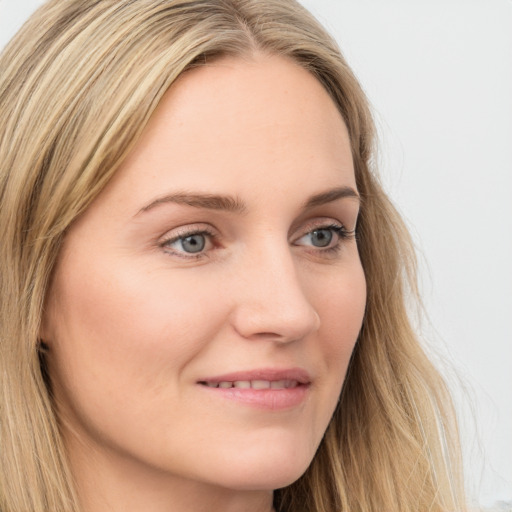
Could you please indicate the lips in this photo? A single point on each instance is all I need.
(259, 378)
(253, 384)
(272, 389)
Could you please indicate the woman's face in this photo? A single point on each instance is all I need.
(204, 309)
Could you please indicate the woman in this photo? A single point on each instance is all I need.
(203, 283)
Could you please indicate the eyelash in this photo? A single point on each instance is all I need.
(182, 236)
(339, 231)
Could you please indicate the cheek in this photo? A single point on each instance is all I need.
(114, 308)
(120, 346)
(341, 305)
(123, 333)
(341, 308)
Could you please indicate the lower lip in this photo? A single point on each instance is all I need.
(270, 399)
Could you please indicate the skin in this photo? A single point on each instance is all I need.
(133, 321)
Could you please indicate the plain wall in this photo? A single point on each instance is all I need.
(439, 77)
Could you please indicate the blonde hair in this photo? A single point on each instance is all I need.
(78, 84)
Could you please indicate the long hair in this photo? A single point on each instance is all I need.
(78, 84)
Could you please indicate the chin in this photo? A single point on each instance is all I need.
(268, 471)
(264, 481)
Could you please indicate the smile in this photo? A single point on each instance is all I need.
(270, 389)
(253, 384)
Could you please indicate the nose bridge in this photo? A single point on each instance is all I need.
(271, 300)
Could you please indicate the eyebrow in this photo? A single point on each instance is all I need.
(207, 201)
(235, 205)
(331, 195)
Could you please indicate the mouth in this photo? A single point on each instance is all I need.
(253, 384)
(264, 388)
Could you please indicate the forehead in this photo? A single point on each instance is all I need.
(259, 122)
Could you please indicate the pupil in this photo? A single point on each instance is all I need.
(321, 237)
(193, 243)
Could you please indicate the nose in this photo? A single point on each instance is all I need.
(270, 300)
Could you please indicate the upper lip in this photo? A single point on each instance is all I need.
(271, 374)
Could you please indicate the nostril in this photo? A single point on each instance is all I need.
(267, 335)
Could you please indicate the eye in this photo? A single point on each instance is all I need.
(325, 237)
(191, 243)
(321, 237)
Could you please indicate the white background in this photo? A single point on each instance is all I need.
(439, 76)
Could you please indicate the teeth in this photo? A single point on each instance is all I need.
(242, 384)
(254, 384)
(260, 384)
